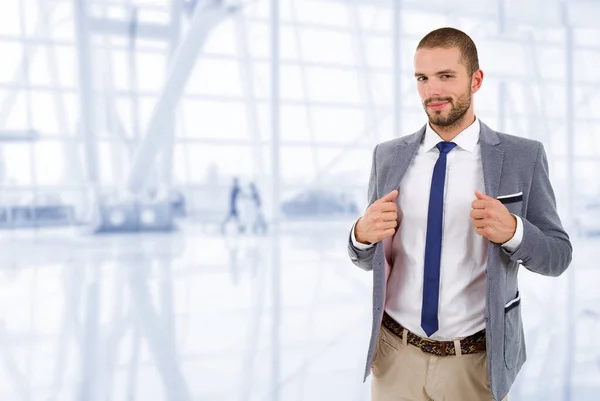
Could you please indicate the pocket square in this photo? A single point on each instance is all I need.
(512, 198)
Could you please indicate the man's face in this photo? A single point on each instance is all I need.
(444, 85)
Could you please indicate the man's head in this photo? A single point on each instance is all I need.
(448, 74)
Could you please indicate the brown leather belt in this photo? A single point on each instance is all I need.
(469, 345)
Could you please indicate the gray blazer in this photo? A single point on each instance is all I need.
(510, 165)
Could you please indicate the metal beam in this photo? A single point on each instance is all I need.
(571, 196)
(87, 118)
(513, 78)
(134, 109)
(202, 22)
(365, 79)
(107, 26)
(502, 89)
(246, 63)
(165, 168)
(275, 238)
(537, 103)
(397, 52)
(112, 122)
(28, 135)
(70, 150)
(410, 37)
(310, 120)
(570, 119)
(542, 13)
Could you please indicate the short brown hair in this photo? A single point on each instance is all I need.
(451, 37)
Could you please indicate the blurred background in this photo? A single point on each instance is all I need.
(178, 179)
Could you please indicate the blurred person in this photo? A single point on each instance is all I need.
(454, 210)
(258, 224)
(234, 208)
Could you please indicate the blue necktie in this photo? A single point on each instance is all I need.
(433, 245)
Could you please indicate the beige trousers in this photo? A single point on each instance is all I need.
(402, 372)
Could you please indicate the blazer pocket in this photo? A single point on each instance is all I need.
(512, 303)
(512, 198)
(513, 332)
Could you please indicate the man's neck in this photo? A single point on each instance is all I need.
(450, 132)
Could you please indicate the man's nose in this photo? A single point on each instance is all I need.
(432, 90)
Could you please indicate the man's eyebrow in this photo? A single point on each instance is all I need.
(448, 71)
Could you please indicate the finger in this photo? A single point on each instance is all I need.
(389, 232)
(386, 207)
(389, 224)
(479, 223)
(481, 231)
(383, 207)
(478, 214)
(390, 216)
(479, 204)
(389, 197)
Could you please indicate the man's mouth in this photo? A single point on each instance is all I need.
(437, 105)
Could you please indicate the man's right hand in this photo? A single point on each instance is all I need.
(379, 221)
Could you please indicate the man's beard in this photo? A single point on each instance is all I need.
(457, 110)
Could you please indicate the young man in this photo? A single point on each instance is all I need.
(454, 210)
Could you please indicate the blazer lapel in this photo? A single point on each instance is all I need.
(492, 158)
(403, 156)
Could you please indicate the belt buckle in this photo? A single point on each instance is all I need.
(442, 348)
(436, 347)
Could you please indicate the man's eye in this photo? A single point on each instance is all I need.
(421, 79)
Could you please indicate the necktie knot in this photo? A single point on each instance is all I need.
(445, 147)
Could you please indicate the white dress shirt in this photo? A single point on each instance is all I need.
(461, 309)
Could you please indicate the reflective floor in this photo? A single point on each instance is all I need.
(194, 315)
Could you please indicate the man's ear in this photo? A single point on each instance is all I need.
(476, 81)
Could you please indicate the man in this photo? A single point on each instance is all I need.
(454, 210)
(234, 200)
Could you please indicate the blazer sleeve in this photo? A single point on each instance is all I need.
(546, 248)
(364, 258)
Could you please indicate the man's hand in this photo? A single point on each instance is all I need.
(379, 221)
(492, 219)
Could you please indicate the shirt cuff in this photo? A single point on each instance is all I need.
(512, 244)
(359, 245)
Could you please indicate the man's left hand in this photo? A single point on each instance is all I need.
(492, 219)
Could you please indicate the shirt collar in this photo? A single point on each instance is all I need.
(467, 139)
